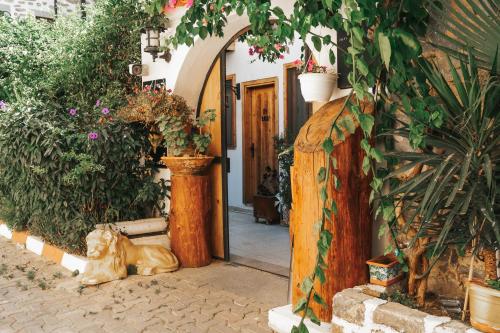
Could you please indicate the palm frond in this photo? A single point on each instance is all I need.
(468, 24)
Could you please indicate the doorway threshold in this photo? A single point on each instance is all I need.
(261, 265)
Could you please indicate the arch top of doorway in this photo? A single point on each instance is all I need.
(198, 60)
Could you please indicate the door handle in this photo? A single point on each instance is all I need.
(252, 150)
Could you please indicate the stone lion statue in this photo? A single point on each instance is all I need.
(109, 253)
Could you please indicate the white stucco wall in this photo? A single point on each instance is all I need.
(240, 63)
(40, 8)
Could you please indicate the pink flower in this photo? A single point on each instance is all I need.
(98, 102)
(72, 112)
(282, 57)
(310, 65)
(251, 51)
(277, 47)
(297, 62)
(105, 111)
(93, 136)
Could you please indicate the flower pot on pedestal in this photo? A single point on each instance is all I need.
(190, 209)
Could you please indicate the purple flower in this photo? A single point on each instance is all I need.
(3, 105)
(93, 136)
(72, 112)
(105, 111)
(98, 102)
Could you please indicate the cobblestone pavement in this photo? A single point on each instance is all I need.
(39, 296)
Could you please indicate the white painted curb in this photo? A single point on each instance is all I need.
(282, 319)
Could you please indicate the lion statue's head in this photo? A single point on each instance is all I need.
(101, 243)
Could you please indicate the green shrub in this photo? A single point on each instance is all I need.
(62, 173)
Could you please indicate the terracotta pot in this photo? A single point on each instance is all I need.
(264, 206)
(484, 307)
(385, 270)
(317, 87)
(187, 165)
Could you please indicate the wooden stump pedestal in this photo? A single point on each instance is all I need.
(190, 209)
(351, 228)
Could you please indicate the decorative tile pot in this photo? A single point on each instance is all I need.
(385, 270)
(484, 307)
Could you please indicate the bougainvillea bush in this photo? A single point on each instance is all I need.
(68, 161)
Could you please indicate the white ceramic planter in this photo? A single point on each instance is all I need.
(484, 308)
(317, 87)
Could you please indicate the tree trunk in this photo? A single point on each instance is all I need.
(351, 228)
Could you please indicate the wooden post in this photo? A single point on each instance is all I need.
(190, 212)
(189, 219)
(351, 229)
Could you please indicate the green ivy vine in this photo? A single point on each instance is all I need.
(384, 48)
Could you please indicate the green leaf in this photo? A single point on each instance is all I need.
(328, 146)
(340, 134)
(366, 165)
(331, 56)
(384, 45)
(307, 285)
(334, 208)
(203, 32)
(321, 175)
(303, 328)
(409, 40)
(317, 298)
(347, 123)
(366, 122)
(310, 313)
(362, 66)
(323, 194)
(320, 274)
(317, 43)
(301, 305)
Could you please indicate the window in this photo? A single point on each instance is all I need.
(231, 111)
(297, 111)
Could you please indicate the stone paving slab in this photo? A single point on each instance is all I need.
(39, 296)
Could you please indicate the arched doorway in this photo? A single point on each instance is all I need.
(251, 99)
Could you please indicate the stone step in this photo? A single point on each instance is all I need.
(139, 227)
(162, 240)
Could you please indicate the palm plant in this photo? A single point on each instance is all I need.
(454, 198)
(468, 24)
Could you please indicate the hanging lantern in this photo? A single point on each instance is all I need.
(153, 41)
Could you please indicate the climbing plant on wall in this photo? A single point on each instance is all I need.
(383, 53)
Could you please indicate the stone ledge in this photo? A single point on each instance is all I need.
(354, 311)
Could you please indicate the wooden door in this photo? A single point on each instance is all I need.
(211, 99)
(259, 129)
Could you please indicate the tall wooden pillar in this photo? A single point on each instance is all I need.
(351, 228)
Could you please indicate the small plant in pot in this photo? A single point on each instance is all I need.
(145, 106)
(316, 83)
(186, 140)
(264, 202)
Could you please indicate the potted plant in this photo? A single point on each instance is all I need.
(316, 83)
(453, 200)
(484, 299)
(385, 270)
(145, 106)
(264, 202)
(186, 139)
